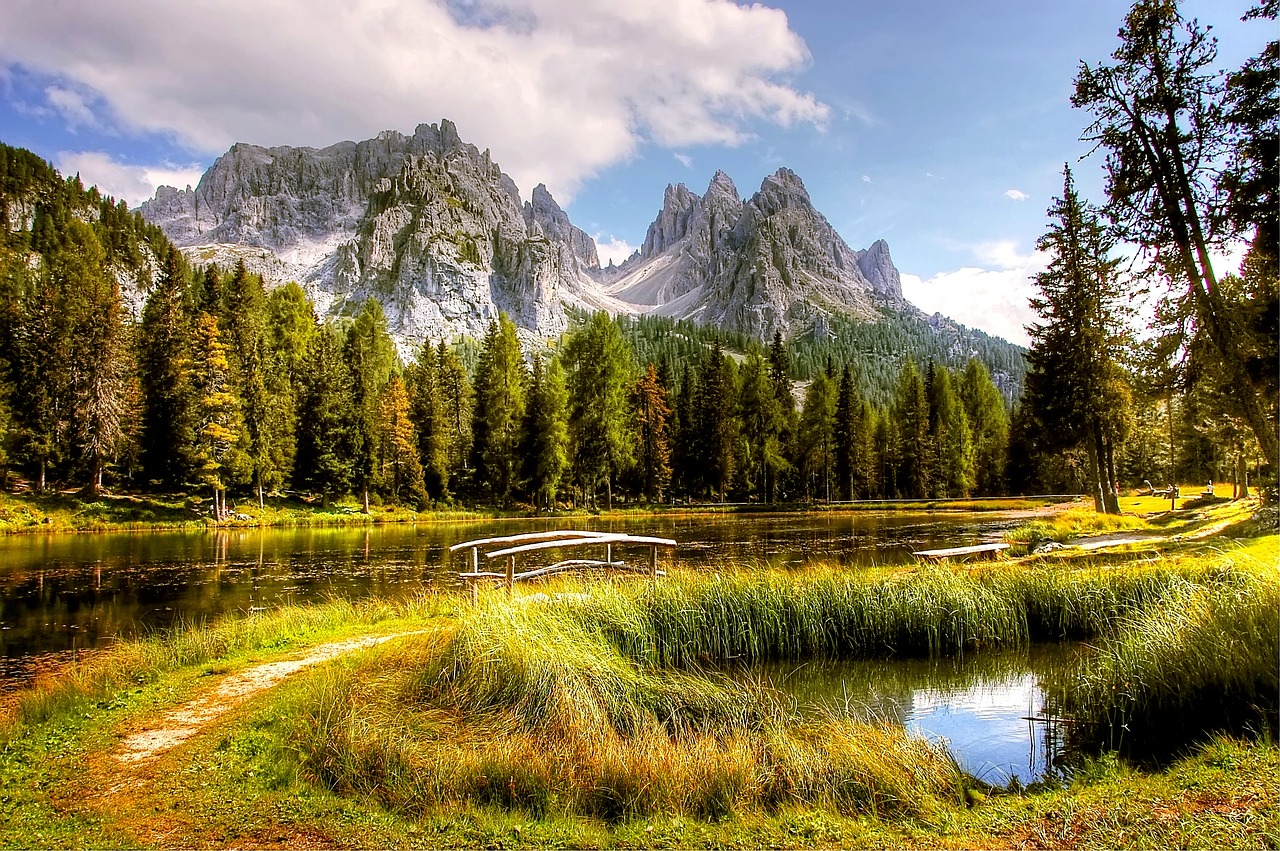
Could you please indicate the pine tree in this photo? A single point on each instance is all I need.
(1075, 389)
(786, 425)
(990, 425)
(499, 410)
(455, 435)
(218, 422)
(327, 427)
(370, 357)
(952, 438)
(914, 448)
(164, 359)
(852, 440)
(545, 451)
(816, 441)
(762, 426)
(598, 374)
(715, 414)
(653, 455)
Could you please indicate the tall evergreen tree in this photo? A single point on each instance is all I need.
(715, 414)
(218, 421)
(598, 374)
(500, 399)
(763, 425)
(653, 454)
(952, 438)
(787, 422)
(816, 442)
(327, 427)
(852, 439)
(398, 470)
(990, 424)
(913, 447)
(371, 358)
(1075, 388)
(545, 450)
(164, 360)
(458, 399)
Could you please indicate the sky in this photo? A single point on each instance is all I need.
(940, 127)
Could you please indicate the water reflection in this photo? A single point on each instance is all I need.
(989, 707)
(60, 593)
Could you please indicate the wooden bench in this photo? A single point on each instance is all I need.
(512, 545)
(980, 550)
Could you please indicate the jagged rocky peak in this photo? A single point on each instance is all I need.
(543, 215)
(672, 223)
(877, 267)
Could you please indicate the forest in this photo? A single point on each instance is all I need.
(122, 366)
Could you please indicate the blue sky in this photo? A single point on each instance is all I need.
(941, 127)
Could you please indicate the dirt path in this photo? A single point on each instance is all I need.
(179, 724)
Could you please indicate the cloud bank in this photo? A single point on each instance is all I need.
(557, 89)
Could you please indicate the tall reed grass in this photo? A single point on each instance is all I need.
(1205, 661)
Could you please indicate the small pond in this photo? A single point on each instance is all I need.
(989, 707)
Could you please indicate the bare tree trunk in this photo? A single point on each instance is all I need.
(1095, 486)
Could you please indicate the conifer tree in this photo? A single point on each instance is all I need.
(598, 375)
(399, 469)
(501, 380)
(653, 454)
(1075, 389)
(218, 422)
(913, 446)
(371, 357)
(456, 393)
(545, 450)
(816, 441)
(786, 424)
(715, 414)
(990, 425)
(852, 440)
(327, 421)
(164, 360)
(952, 438)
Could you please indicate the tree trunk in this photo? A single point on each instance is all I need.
(1242, 477)
(365, 497)
(1095, 486)
(1106, 478)
(43, 465)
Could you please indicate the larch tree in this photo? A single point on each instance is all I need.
(458, 398)
(327, 427)
(218, 422)
(653, 454)
(816, 441)
(398, 470)
(164, 360)
(914, 449)
(990, 425)
(715, 416)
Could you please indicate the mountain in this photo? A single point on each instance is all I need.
(433, 228)
(770, 263)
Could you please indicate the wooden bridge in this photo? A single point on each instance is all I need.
(509, 546)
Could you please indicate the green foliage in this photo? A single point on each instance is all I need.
(500, 398)
(598, 367)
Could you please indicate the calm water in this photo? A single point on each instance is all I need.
(62, 593)
(980, 704)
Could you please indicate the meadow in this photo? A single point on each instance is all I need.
(591, 714)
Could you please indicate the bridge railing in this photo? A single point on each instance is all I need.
(510, 546)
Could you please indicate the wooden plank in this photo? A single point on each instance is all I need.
(527, 536)
(955, 552)
(600, 538)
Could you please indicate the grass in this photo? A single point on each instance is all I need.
(598, 716)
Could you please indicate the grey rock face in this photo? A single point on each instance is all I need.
(771, 263)
(434, 229)
(426, 223)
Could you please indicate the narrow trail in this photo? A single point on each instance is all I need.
(179, 724)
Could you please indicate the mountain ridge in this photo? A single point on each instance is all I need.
(433, 228)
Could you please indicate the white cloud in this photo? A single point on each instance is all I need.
(997, 300)
(1016, 195)
(557, 89)
(684, 159)
(72, 106)
(993, 300)
(132, 183)
(866, 178)
(613, 249)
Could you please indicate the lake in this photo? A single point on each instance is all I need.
(63, 593)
